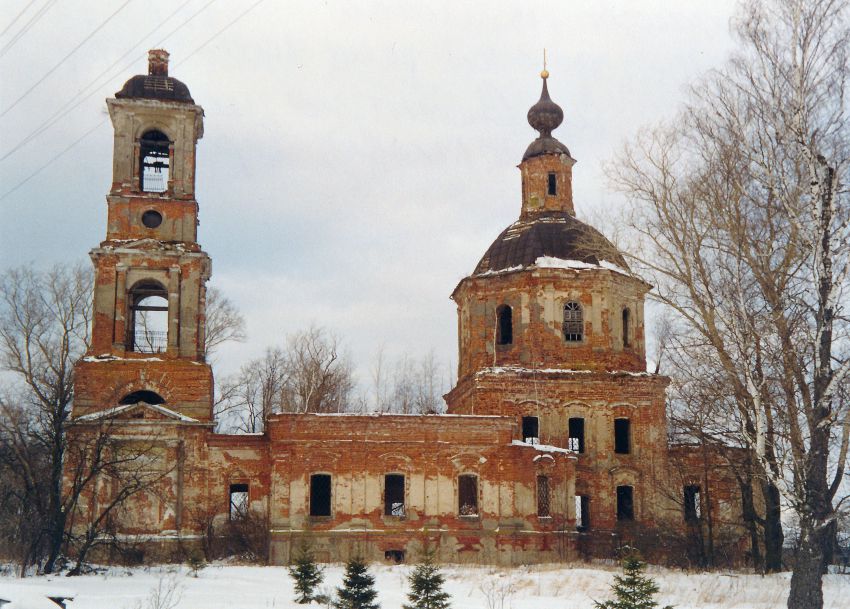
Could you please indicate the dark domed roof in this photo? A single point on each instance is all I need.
(152, 86)
(156, 84)
(555, 234)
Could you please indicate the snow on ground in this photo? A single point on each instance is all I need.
(551, 587)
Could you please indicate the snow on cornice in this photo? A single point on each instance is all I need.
(106, 357)
(116, 410)
(564, 371)
(544, 448)
(550, 262)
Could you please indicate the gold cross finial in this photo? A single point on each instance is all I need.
(545, 73)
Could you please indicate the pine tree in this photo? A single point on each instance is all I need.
(358, 587)
(307, 575)
(426, 586)
(633, 590)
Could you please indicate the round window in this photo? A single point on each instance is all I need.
(151, 218)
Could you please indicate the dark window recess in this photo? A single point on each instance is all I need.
(394, 495)
(625, 503)
(543, 505)
(147, 331)
(154, 159)
(692, 503)
(320, 495)
(151, 218)
(238, 501)
(395, 556)
(504, 325)
(582, 512)
(625, 327)
(622, 443)
(576, 437)
(530, 430)
(552, 184)
(573, 322)
(467, 495)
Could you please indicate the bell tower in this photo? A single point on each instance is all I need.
(150, 272)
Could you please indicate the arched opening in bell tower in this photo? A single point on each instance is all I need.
(154, 161)
(148, 323)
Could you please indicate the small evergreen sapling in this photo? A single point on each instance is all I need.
(358, 587)
(307, 575)
(426, 586)
(633, 590)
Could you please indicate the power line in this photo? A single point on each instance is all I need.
(18, 16)
(51, 161)
(90, 131)
(64, 59)
(69, 105)
(27, 26)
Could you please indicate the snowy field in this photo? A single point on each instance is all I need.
(539, 587)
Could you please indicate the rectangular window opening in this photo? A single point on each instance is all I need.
(693, 509)
(543, 494)
(576, 435)
(530, 430)
(552, 185)
(622, 441)
(238, 501)
(394, 495)
(582, 512)
(625, 503)
(467, 495)
(394, 556)
(320, 495)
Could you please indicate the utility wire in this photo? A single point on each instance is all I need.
(70, 105)
(90, 131)
(27, 26)
(18, 16)
(64, 59)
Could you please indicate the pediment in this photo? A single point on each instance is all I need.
(138, 411)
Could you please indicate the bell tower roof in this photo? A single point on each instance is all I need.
(156, 84)
(545, 116)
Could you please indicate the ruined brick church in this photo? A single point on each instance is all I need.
(554, 445)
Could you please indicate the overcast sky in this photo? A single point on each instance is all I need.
(358, 157)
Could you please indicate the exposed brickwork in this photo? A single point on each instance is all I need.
(599, 379)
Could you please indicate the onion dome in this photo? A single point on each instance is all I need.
(555, 235)
(545, 116)
(156, 84)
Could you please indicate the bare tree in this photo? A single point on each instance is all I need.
(44, 328)
(224, 322)
(409, 385)
(247, 398)
(744, 220)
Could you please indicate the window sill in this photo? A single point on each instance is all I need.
(469, 516)
(321, 518)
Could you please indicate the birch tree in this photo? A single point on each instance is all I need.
(742, 212)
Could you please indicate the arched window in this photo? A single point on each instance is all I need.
(149, 397)
(504, 325)
(626, 315)
(153, 161)
(148, 324)
(573, 322)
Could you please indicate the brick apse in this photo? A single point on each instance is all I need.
(554, 445)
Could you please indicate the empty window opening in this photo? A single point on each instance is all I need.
(394, 495)
(576, 435)
(530, 430)
(582, 512)
(467, 495)
(320, 495)
(622, 441)
(625, 503)
(151, 218)
(238, 501)
(552, 185)
(154, 159)
(693, 509)
(573, 322)
(543, 495)
(148, 397)
(504, 325)
(148, 327)
(394, 556)
(625, 327)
